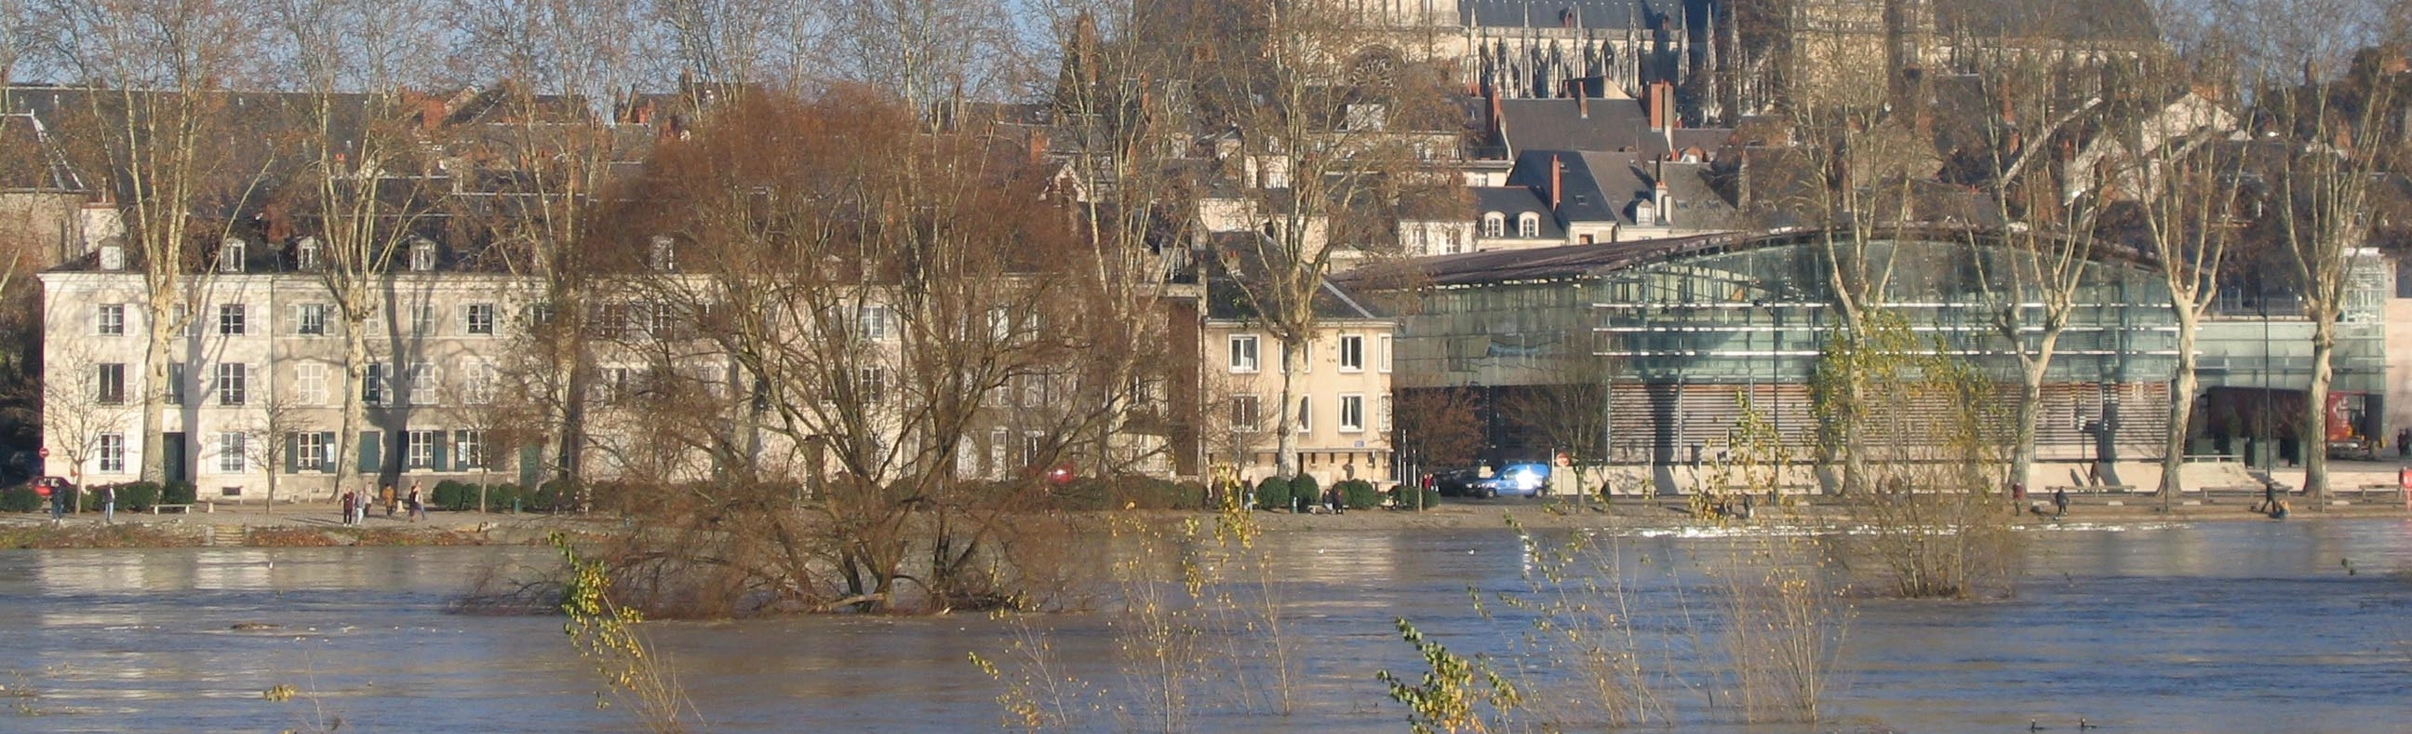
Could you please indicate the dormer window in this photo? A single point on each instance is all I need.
(1493, 224)
(112, 256)
(663, 256)
(422, 256)
(1528, 225)
(230, 256)
(1645, 214)
(305, 254)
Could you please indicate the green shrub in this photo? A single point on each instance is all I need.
(1359, 494)
(1273, 494)
(554, 496)
(1305, 490)
(136, 496)
(20, 499)
(447, 495)
(1151, 493)
(180, 493)
(500, 496)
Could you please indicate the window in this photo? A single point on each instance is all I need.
(663, 256)
(419, 449)
(372, 384)
(1352, 353)
(111, 320)
(1528, 225)
(310, 383)
(230, 256)
(233, 452)
(422, 256)
(311, 451)
(113, 256)
(874, 383)
(1454, 242)
(422, 383)
(872, 321)
(109, 387)
(614, 382)
(305, 254)
(232, 377)
(176, 382)
(480, 318)
(1034, 448)
(1352, 413)
(1243, 353)
(230, 319)
(422, 319)
(1000, 324)
(1382, 353)
(310, 319)
(1493, 224)
(477, 384)
(468, 449)
(1304, 365)
(1245, 412)
(1306, 413)
(112, 452)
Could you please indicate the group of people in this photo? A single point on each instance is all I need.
(356, 507)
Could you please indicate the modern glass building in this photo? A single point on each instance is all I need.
(1685, 332)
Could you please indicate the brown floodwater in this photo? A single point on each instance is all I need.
(2213, 627)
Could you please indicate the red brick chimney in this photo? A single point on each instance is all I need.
(1556, 182)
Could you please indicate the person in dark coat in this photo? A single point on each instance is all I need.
(2060, 502)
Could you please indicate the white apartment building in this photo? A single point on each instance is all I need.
(1343, 413)
(262, 338)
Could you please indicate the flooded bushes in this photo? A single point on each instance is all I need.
(1273, 493)
(1359, 494)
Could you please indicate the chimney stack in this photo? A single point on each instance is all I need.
(1557, 173)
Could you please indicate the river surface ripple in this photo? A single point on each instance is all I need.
(2212, 627)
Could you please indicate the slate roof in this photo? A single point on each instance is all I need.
(1560, 124)
(1511, 201)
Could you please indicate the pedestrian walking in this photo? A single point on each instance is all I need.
(2060, 502)
(418, 504)
(2403, 443)
(60, 495)
(350, 499)
(386, 497)
(107, 497)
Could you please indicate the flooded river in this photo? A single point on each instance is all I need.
(2214, 627)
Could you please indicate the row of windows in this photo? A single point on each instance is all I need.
(1247, 413)
(1494, 224)
(231, 382)
(237, 452)
(1244, 353)
(309, 319)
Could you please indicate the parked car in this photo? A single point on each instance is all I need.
(1456, 482)
(1516, 480)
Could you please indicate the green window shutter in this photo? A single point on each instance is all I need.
(325, 460)
(371, 442)
(441, 449)
(460, 462)
(292, 444)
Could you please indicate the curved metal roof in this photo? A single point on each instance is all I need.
(1583, 261)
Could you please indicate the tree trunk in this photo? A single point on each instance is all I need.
(355, 413)
(2030, 408)
(1293, 358)
(2181, 406)
(2314, 436)
(162, 333)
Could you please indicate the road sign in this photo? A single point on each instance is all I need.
(43, 452)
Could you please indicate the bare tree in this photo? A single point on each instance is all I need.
(154, 127)
(548, 130)
(275, 428)
(81, 402)
(2047, 237)
(847, 307)
(362, 187)
(1324, 120)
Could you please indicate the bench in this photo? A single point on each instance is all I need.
(186, 509)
